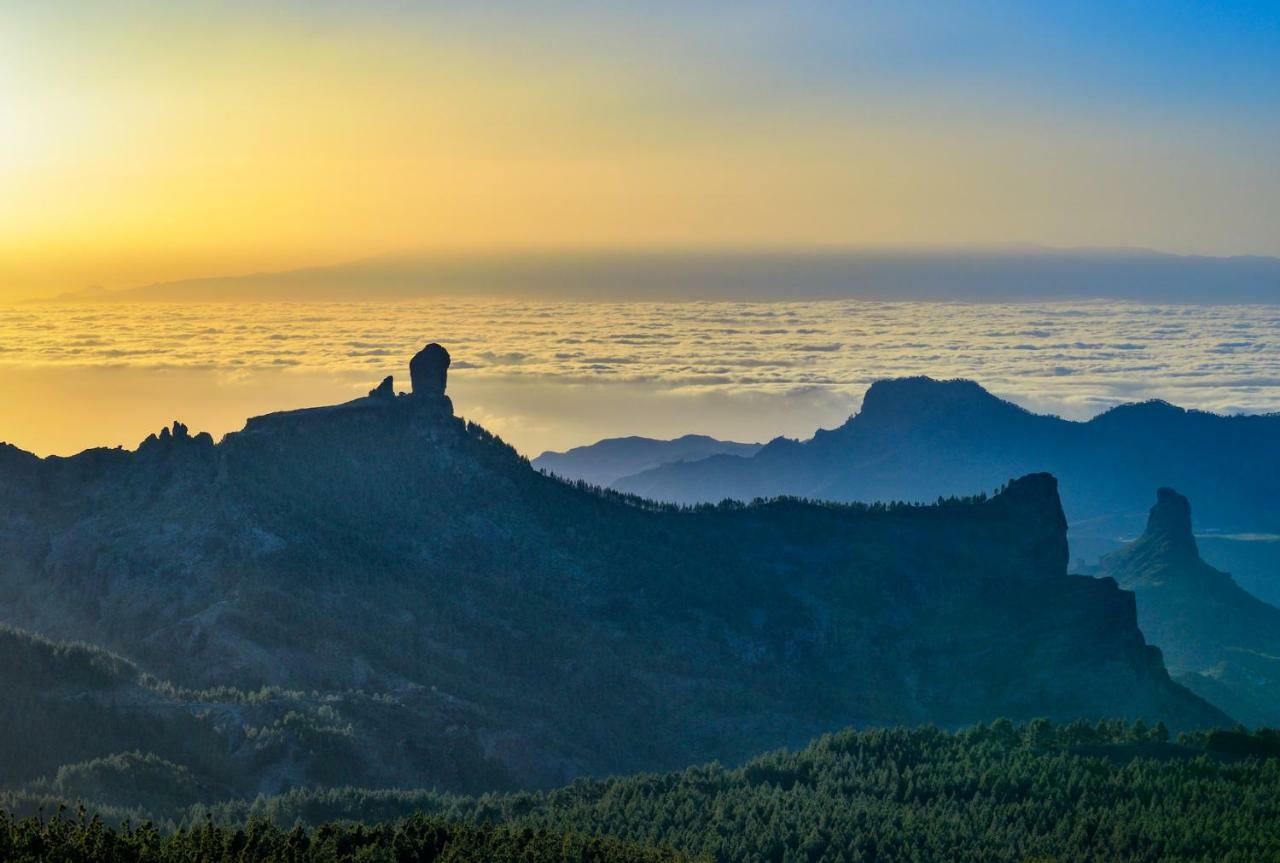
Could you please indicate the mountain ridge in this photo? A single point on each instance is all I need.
(440, 595)
(611, 459)
(916, 439)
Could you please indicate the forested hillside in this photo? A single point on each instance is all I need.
(418, 839)
(1080, 792)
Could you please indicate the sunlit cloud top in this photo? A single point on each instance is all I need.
(150, 141)
(553, 375)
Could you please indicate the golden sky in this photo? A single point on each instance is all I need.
(147, 141)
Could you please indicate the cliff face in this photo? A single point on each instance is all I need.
(1221, 641)
(386, 546)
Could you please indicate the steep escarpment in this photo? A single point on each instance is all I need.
(542, 630)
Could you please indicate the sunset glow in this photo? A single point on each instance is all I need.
(147, 141)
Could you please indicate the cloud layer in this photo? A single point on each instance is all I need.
(537, 372)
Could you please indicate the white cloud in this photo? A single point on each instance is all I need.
(668, 368)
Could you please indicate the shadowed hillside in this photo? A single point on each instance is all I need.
(999, 792)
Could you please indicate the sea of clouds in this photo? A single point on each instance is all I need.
(557, 374)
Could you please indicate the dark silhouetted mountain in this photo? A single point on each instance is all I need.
(611, 459)
(411, 588)
(916, 439)
(1218, 639)
(980, 275)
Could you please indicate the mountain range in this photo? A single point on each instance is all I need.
(917, 439)
(1011, 274)
(605, 462)
(380, 593)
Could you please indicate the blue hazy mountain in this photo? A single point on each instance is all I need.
(1219, 640)
(379, 593)
(995, 275)
(606, 461)
(916, 439)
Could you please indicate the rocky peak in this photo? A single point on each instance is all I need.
(1035, 507)
(384, 390)
(910, 400)
(1169, 523)
(429, 370)
(1166, 553)
(177, 435)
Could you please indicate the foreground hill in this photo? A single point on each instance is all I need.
(1221, 641)
(995, 792)
(35, 840)
(425, 608)
(916, 439)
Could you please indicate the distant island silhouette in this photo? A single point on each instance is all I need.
(1018, 274)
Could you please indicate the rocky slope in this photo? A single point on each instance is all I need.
(1217, 638)
(462, 619)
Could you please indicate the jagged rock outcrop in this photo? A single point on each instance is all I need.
(1169, 530)
(429, 371)
(177, 435)
(1221, 641)
(384, 390)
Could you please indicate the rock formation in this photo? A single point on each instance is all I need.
(1169, 523)
(428, 370)
(384, 390)
(1218, 639)
(176, 436)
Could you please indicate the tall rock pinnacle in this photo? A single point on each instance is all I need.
(429, 370)
(1170, 523)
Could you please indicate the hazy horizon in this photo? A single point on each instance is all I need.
(1011, 273)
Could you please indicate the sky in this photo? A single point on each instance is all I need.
(151, 141)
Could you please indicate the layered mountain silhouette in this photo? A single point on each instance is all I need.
(380, 593)
(1218, 639)
(982, 275)
(916, 439)
(607, 461)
